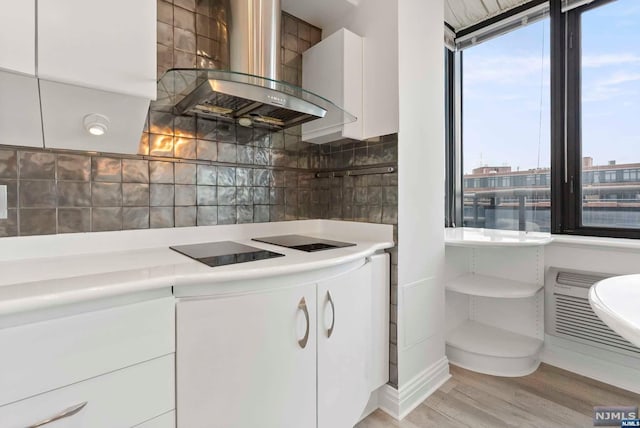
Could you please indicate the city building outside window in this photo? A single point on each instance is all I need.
(505, 131)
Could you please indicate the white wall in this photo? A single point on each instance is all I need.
(421, 188)
(376, 21)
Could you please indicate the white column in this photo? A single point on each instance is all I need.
(422, 365)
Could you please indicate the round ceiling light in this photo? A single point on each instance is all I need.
(96, 124)
(245, 121)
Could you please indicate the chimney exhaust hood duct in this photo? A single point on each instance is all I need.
(251, 94)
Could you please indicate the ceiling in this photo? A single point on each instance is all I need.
(322, 13)
(459, 14)
(465, 13)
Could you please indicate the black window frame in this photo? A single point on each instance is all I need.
(566, 191)
(453, 152)
(566, 148)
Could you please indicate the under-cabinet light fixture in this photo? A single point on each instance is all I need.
(96, 124)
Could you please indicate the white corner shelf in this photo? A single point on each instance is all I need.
(492, 350)
(474, 237)
(490, 286)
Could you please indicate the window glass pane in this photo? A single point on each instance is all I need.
(610, 108)
(506, 135)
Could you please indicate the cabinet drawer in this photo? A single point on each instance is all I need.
(42, 356)
(168, 420)
(124, 398)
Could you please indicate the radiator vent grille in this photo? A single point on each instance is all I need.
(575, 319)
(578, 279)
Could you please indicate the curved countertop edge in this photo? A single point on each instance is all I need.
(616, 321)
(119, 288)
(35, 303)
(271, 271)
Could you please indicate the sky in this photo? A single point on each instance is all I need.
(506, 101)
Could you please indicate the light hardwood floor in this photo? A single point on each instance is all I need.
(548, 398)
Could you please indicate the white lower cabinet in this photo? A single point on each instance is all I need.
(124, 398)
(168, 420)
(111, 368)
(344, 340)
(242, 361)
(42, 356)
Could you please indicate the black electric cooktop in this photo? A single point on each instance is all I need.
(303, 243)
(224, 253)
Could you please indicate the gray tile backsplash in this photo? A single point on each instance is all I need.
(8, 164)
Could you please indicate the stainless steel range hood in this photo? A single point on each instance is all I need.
(251, 93)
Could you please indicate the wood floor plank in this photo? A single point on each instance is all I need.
(510, 413)
(531, 402)
(380, 419)
(448, 385)
(549, 398)
(463, 411)
(426, 417)
(570, 392)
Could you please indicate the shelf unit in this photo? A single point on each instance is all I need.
(491, 350)
(494, 307)
(492, 286)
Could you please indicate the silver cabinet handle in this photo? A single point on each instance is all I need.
(333, 314)
(303, 307)
(63, 414)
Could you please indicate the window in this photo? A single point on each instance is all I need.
(545, 119)
(604, 140)
(505, 130)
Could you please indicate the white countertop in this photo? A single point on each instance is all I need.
(474, 237)
(616, 300)
(100, 265)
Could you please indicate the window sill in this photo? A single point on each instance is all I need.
(475, 237)
(597, 242)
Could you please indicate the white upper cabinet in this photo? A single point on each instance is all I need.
(20, 121)
(66, 113)
(18, 36)
(375, 21)
(333, 70)
(106, 45)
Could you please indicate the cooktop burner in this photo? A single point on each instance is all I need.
(224, 253)
(303, 243)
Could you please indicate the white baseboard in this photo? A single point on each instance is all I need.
(398, 403)
(604, 366)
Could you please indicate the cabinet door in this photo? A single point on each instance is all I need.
(344, 345)
(240, 363)
(20, 121)
(107, 45)
(18, 36)
(64, 108)
(380, 301)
